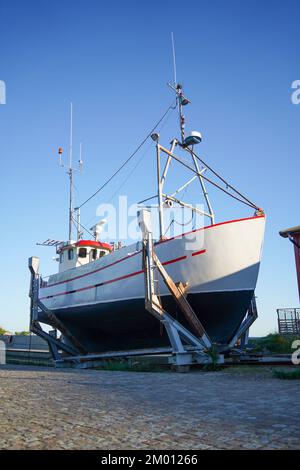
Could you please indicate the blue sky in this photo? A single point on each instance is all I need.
(236, 60)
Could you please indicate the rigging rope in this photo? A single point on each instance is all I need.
(250, 203)
(185, 223)
(82, 226)
(131, 156)
(243, 201)
(138, 162)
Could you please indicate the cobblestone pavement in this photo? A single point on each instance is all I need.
(44, 408)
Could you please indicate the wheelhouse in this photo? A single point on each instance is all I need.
(72, 255)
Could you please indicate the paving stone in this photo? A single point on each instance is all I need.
(44, 408)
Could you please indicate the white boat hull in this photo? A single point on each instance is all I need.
(102, 303)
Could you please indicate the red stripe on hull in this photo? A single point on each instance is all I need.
(158, 243)
(196, 253)
(116, 279)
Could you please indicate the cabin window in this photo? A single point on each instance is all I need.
(61, 257)
(102, 253)
(70, 254)
(82, 253)
(93, 255)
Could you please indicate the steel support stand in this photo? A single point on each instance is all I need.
(187, 347)
(242, 333)
(55, 345)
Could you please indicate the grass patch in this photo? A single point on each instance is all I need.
(273, 344)
(213, 366)
(245, 369)
(287, 374)
(30, 362)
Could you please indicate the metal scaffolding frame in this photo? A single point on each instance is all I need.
(288, 321)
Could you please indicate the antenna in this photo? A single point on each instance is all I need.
(71, 135)
(50, 242)
(181, 99)
(174, 59)
(70, 172)
(80, 161)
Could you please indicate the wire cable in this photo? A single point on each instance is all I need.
(228, 185)
(243, 201)
(138, 162)
(131, 156)
(82, 226)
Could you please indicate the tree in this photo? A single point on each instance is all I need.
(22, 333)
(2, 331)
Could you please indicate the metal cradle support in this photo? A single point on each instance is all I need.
(188, 347)
(55, 345)
(242, 333)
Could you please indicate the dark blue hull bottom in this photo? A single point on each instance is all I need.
(127, 325)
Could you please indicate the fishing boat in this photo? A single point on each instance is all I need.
(98, 293)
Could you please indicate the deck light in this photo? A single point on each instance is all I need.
(155, 137)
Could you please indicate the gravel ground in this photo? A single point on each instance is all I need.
(44, 408)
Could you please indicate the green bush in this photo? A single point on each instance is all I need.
(287, 375)
(214, 356)
(273, 343)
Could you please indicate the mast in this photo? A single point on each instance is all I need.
(70, 173)
(181, 102)
(178, 90)
(77, 209)
(187, 144)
